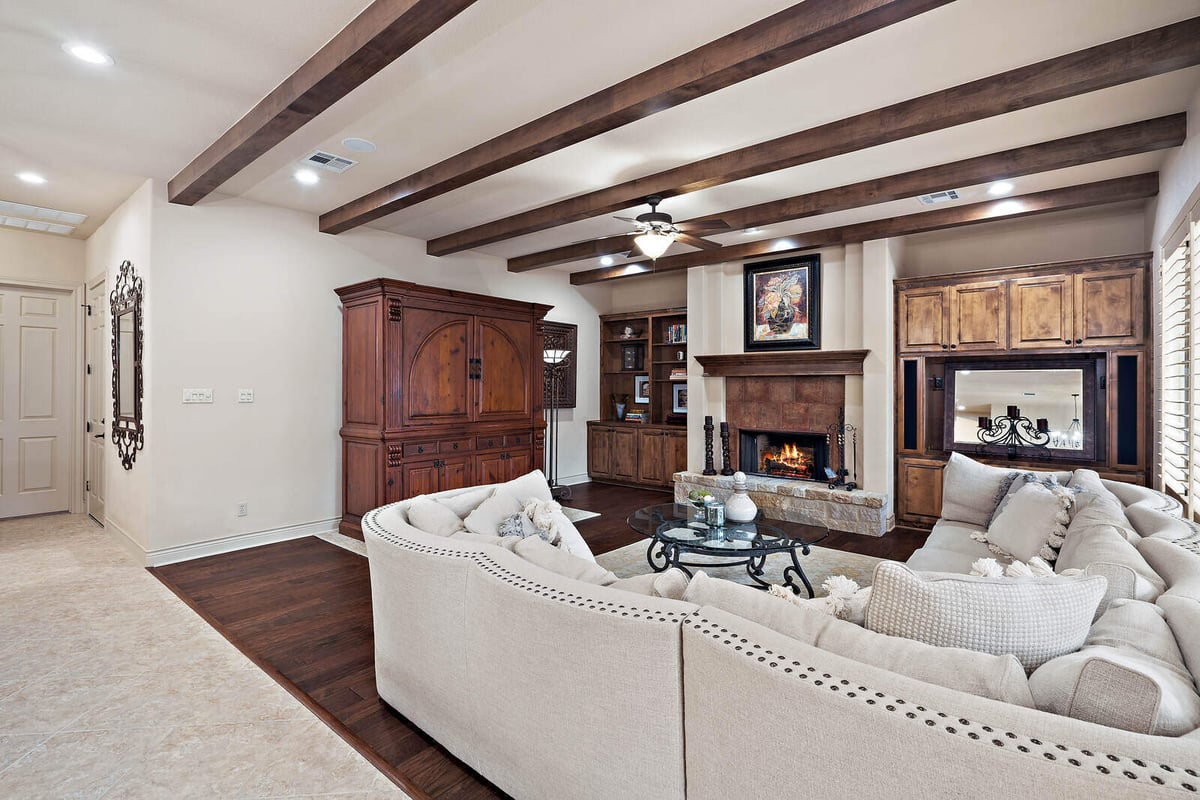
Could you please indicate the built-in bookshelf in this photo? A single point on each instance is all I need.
(643, 358)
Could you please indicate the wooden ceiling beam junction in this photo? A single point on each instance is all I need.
(1172, 47)
(1122, 140)
(794, 33)
(383, 32)
(1134, 187)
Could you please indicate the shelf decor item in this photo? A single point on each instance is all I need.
(679, 398)
(641, 389)
(783, 304)
(709, 468)
(739, 507)
(726, 468)
(620, 402)
(633, 356)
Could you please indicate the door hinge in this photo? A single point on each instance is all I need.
(87, 486)
(89, 426)
(89, 371)
(88, 306)
(1103, 381)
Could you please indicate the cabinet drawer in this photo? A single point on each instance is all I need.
(489, 442)
(517, 439)
(417, 449)
(449, 447)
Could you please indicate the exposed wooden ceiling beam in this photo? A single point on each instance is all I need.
(1123, 140)
(1135, 187)
(792, 34)
(375, 38)
(1146, 54)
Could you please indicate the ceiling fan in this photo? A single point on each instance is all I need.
(654, 231)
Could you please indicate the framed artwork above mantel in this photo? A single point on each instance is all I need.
(783, 304)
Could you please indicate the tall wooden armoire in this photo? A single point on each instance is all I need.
(440, 389)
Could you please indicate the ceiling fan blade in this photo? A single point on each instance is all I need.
(634, 252)
(696, 241)
(705, 226)
(625, 219)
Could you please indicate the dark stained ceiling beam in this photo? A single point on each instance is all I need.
(1154, 52)
(1135, 187)
(1122, 140)
(386, 30)
(791, 34)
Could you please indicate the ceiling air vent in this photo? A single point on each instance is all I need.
(329, 161)
(939, 197)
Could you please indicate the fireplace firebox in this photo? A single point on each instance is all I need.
(784, 454)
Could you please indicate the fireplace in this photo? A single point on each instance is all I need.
(784, 454)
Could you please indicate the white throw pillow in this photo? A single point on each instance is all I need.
(1130, 675)
(1031, 524)
(1035, 619)
(531, 486)
(433, 517)
(508, 543)
(464, 502)
(487, 517)
(971, 490)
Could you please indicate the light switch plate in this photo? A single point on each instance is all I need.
(197, 395)
(245, 395)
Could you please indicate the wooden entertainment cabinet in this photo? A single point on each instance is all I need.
(649, 452)
(1090, 312)
(440, 389)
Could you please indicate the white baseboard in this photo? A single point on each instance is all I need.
(127, 543)
(571, 480)
(241, 541)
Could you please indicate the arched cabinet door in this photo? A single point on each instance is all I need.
(436, 387)
(504, 369)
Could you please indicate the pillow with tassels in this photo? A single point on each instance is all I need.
(1032, 524)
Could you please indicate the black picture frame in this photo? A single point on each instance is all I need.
(782, 304)
(633, 356)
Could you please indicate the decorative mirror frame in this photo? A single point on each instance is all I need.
(128, 432)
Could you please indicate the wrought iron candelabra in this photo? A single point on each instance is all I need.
(1013, 431)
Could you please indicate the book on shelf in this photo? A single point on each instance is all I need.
(635, 416)
(675, 334)
(678, 374)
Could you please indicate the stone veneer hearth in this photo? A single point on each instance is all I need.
(807, 502)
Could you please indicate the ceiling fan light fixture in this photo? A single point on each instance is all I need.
(654, 243)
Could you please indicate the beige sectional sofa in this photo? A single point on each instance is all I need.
(554, 687)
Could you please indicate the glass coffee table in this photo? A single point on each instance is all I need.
(676, 534)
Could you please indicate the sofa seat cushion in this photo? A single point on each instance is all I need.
(1183, 616)
(1176, 560)
(1091, 543)
(671, 583)
(560, 562)
(1129, 675)
(1035, 619)
(995, 677)
(935, 559)
(503, 542)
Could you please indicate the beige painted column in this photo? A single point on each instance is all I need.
(880, 260)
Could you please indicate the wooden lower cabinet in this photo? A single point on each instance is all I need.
(919, 491)
(645, 455)
(436, 475)
(502, 466)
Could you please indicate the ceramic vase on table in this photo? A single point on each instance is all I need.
(620, 411)
(739, 507)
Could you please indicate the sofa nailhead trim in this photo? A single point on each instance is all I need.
(1045, 751)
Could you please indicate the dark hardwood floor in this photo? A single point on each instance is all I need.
(301, 610)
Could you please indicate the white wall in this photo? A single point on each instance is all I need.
(126, 235)
(41, 257)
(241, 295)
(1178, 180)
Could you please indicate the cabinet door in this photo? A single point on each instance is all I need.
(1109, 308)
(920, 490)
(978, 316)
(625, 453)
(674, 454)
(600, 443)
(519, 463)
(454, 473)
(922, 323)
(1041, 312)
(505, 370)
(491, 468)
(434, 384)
(394, 486)
(651, 457)
(420, 477)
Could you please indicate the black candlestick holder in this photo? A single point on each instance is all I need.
(709, 469)
(726, 469)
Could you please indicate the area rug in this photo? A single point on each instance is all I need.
(819, 564)
(578, 514)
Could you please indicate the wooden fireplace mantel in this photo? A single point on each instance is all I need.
(792, 362)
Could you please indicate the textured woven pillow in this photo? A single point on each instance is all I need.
(1035, 619)
(1032, 523)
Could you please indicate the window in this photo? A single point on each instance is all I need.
(1178, 313)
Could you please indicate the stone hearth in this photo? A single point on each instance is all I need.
(806, 502)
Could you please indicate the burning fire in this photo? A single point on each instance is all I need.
(788, 460)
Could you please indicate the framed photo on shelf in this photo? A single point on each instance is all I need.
(679, 398)
(783, 304)
(632, 356)
(641, 388)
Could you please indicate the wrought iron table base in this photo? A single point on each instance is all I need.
(668, 554)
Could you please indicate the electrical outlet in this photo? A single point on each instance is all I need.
(197, 395)
(243, 509)
(245, 395)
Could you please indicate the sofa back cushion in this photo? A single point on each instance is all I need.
(560, 562)
(996, 677)
(1035, 619)
(1129, 675)
(1183, 617)
(1092, 541)
(971, 490)
(1176, 561)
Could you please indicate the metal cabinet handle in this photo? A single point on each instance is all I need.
(420, 449)
(945, 347)
(1079, 341)
(953, 347)
(99, 436)
(1066, 341)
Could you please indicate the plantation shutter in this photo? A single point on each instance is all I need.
(1179, 348)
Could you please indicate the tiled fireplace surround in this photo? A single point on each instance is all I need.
(806, 403)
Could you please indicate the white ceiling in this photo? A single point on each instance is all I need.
(185, 72)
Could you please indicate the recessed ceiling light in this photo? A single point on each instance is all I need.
(85, 52)
(751, 231)
(961, 408)
(1008, 207)
(306, 176)
(783, 244)
(31, 177)
(358, 145)
(606, 261)
(1000, 188)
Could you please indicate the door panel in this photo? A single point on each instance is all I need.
(624, 453)
(435, 384)
(504, 368)
(99, 401)
(490, 468)
(36, 355)
(1109, 308)
(978, 316)
(923, 320)
(420, 478)
(455, 473)
(1041, 312)
(360, 368)
(600, 451)
(651, 457)
(519, 463)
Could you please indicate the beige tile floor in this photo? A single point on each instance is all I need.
(110, 687)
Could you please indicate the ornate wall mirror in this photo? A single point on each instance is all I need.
(128, 433)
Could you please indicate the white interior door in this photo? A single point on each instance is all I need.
(36, 390)
(99, 401)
